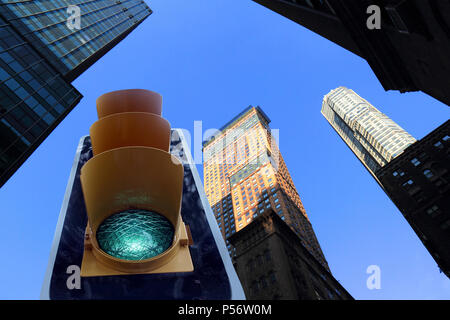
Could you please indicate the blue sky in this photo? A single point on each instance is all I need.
(210, 60)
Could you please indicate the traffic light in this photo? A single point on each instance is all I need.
(120, 232)
(132, 188)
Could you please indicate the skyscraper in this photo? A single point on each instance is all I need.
(245, 175)
(418, 182)
(407, 48)
(414, 174)
(372, 136)
(40, 55)
(272, 264)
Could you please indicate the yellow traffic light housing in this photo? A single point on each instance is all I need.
(133, 189)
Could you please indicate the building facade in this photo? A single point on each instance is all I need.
(372, 136)
(414, 174)
(409, 50)
(40, 55)
(272, 264)
(418, 182)
(245, 174)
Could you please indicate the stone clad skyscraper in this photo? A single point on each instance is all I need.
(245, 175)
(372, 136)
(268, 234)
(414, 174)
(40, 55)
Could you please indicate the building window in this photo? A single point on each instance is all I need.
(250, 265)
(263, 281)
(255, 287)
(415, 162)
(267, 255)
(317, 295)
(259, 260)
(439, 145)
(438, 183)
(272, 277)
(445, 225)
(398, 173)
(428, 173)
(408, 183)
(433, 211)
(330, 294)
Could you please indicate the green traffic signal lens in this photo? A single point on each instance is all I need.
(135, 235)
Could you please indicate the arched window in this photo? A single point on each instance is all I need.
(428, 173)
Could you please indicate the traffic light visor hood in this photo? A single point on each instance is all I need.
(132, 100)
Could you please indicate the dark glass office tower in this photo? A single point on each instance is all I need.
(40, 55)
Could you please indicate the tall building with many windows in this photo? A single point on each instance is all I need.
(414, 174)
(372, 136)
(41, 52)
(272, 264)
(245, 175)
(418, 182)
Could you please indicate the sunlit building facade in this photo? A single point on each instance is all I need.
(372, 136)
(41, 53)
(245, 175)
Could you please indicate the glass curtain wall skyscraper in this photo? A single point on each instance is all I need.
(245, 175)
(372, 136)
(40, 55)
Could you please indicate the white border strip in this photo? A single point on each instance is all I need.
(45, 291)
(237, 293)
